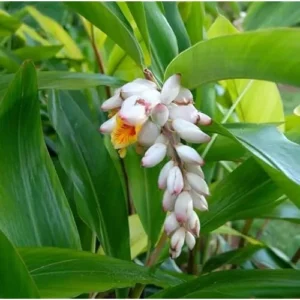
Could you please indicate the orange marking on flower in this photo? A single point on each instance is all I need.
(124, 135)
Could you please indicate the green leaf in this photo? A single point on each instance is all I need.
(274, 152)
(31, 194)
(272, 14)
(56, 31)
(278, 64)
(62, 273)
(37, 53)
(233, 257)
(174, 18)
(138, 13)
(244, 193)
(146, 197)
(239, 284)
(63, 80)
(261, 101)
(8, 24)
(99, 196)
(13, 273)
(162, 38)
(111, 24)
(9, 61)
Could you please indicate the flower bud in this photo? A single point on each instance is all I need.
(168, 201)
(177, 239)
(109, 125)
(189, 132)
(154, 155)
(163, 175)
(204, 119)
(133, 116)
(189, 155)
(170, 224)
(170, 89)
(132, 89)
(174, 254)
(194, 169)
(162, 139)
(194, 224)
(184, 96)
(175, 181)
(199, 201)
(190, 240)
(185, 112)
(148, 134)
(197, 183)
(148, 83)
(160, 114)
(151, 98)
(111, 103)
(183, 207)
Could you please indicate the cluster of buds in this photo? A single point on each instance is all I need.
(160, 119)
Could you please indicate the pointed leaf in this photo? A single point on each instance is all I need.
(31, 194)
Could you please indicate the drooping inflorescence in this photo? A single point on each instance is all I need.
(160, 120)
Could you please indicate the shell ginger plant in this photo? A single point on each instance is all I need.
(163, 121)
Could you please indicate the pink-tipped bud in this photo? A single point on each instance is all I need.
(151, 98)
(132, 89)
(177, 239)
(190, 240)
(154, 155)
(111, 103)
(204, 119)
(168, 201)
(197, 183)
(199, 201)
(148, 83)
(189, 155)
(183, 206)
(109, 125)
(175, 181)
(171, 224)
(163, 175)
(194, 169)
(133, 116)
(174, 254)
(185, 112)
(184, 96)
(148, 134)
(189, 132)
(160, 114)
(194, 224)
(170, 89)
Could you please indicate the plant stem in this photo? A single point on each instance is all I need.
(138, 289)
(296, 257)
(245, 230)
(261, 229)
(227, 116)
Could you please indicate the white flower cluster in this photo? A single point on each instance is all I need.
(159, 120)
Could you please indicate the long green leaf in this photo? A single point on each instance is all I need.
(239, 284)
(13, 273)
(8, 24)
(272, 14)
(37, 53)
(273, 151)
(205, 62)
(146, 196)
(62, 273)
(103, 16)
(34, 209)
(261, 101)
(63, 80)
(244, 193)
(99, 197)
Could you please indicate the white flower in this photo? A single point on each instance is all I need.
(199, 201)
(175, 181)
(183, 206)
(189, 155)
(204, 119)
(146, 82)
(197, 183)
(163, 175)
(114, 102)
(190, 240)
(170, 89)
(109, 125)
(177, 239)
(148, 134)
(133, 88)
(160, 114)
(184, 96)
(171, 224)
(168, 201)
(189, 132)
(154, 155)
(194, 223)
(185, 112)
(194, 169)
